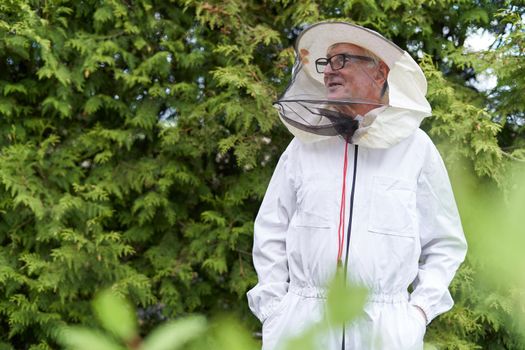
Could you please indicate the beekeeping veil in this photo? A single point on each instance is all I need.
(311, 116)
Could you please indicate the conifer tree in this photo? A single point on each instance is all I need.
(137, 139)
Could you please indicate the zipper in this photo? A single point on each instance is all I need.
(349, 231)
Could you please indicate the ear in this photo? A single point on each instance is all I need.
(381, 72)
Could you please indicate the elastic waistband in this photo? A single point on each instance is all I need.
(373, 296)
(388, 298)
(308, 291)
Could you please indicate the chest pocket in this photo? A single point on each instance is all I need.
(393, 207)
(315, 204)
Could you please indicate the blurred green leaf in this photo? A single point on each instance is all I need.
(80, 338)
(230, 335)
(116, 315)
(344, 302)
(173, 335)
(494, 223)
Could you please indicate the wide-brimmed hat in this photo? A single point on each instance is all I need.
(310, 115)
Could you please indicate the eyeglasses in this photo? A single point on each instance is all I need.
(338, 61)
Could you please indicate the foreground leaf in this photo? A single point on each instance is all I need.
(80, 338)
(173, 335)
(116, 315)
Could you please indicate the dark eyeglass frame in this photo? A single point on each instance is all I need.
(321, 63)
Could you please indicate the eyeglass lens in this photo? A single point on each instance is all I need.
(337, 61)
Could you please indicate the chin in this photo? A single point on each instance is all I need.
(335, 96)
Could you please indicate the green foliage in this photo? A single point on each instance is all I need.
(117, 317)
(489, 311)
(456, 121)
(339, 307)
(137, 139)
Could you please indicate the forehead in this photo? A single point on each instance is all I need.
(345, 48)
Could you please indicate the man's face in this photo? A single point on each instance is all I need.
(357, 79)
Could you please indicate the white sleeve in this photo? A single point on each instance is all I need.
(443, 244)
(269, 246)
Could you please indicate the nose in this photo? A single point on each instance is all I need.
(327, 73)
(327, 69)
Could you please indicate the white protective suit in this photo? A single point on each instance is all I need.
(405, 228)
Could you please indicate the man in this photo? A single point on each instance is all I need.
(360, 187)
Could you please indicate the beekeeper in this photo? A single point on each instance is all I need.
(360, 187)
